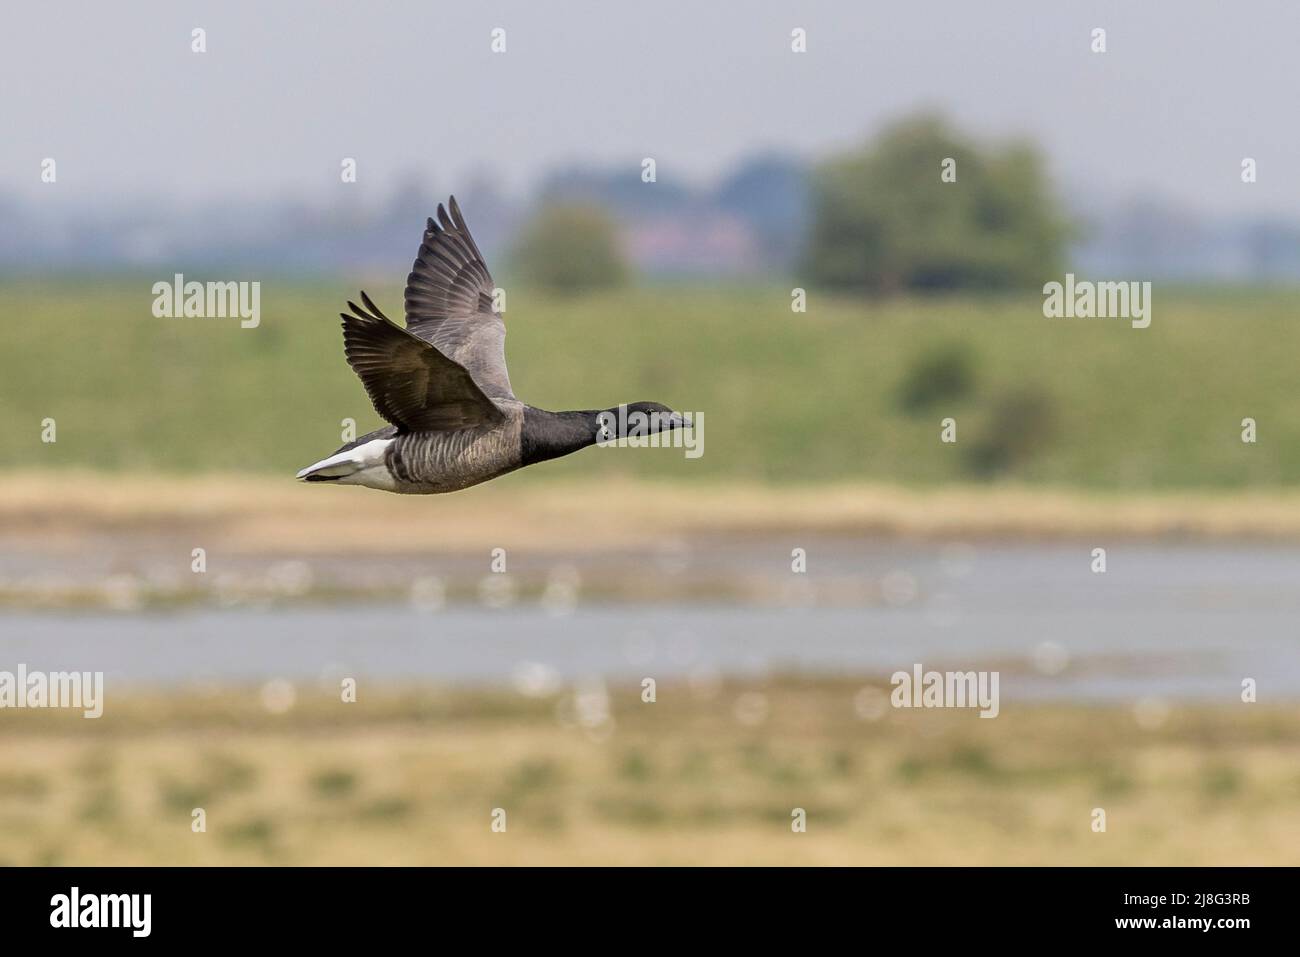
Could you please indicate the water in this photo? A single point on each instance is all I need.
(1176, 622)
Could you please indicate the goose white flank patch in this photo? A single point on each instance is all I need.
(442, 386)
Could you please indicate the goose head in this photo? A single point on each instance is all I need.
(638, 418)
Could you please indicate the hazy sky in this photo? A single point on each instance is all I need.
(114, 94)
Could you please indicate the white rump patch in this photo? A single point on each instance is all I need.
(363, 465)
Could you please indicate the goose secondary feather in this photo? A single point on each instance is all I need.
(441, 384)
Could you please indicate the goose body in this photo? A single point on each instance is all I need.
(441, 384)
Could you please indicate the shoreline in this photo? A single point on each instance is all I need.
(51, 511)
(130, 543)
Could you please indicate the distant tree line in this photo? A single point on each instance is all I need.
(920, 207)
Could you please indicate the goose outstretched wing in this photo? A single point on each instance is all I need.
(412, 385)
(449, 302)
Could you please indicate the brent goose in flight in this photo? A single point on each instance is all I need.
(442, 384)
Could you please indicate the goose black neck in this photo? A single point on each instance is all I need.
(548, 435)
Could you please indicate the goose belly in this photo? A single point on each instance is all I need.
(426, 463)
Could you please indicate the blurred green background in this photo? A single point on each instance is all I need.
(852, 389)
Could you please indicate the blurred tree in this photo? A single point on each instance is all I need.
(884, 221)
(570, 247)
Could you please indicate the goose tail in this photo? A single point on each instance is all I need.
(331, 469)
(357, 465)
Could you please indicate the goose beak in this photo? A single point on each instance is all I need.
(679, 421)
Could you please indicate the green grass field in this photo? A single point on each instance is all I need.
(786, 397)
